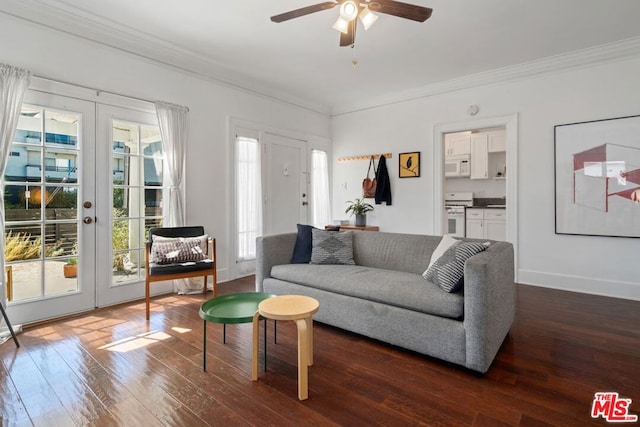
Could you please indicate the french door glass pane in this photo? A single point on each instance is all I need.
(136, 164)
(41, 204)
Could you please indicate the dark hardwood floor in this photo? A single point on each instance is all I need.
(110, 367)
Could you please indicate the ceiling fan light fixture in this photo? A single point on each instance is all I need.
(349, 10)
(341, 25)
(367, 17)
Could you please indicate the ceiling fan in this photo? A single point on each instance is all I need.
(352, 9)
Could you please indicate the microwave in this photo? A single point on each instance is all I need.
(457, 166)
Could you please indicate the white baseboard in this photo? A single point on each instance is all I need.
(587, 285)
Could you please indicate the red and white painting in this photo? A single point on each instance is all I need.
(598, 177)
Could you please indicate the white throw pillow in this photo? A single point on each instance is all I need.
(445, 243)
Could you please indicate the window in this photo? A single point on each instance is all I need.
(41, 204)
(248, 197)
(320, 201)
(137, 158)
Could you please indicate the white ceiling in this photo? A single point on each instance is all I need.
(300, 61)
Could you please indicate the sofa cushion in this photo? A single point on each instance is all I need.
(446, 242)
(302, 248)
(394, 251)
(332, 247)
(448, 271)
(401, 289)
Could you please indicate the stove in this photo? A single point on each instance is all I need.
(456, 205)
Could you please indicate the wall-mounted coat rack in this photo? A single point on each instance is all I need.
(364, 157)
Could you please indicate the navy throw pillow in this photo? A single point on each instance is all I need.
(304, 243)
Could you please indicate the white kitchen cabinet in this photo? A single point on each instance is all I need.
(479, 156)
(456, 144)
(497, 141)
(495, 224)
(487, 224)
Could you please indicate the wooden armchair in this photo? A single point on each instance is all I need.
(179, 253)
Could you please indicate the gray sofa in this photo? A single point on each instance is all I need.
(385, 297)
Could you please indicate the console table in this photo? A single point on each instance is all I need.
(353, 227)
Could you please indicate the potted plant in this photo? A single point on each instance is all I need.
(71, 268)
(359, 208)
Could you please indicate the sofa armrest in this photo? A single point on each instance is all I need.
(272, 250)
(489, 303)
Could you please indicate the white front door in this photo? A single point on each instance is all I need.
(286, 178)
(50, 209)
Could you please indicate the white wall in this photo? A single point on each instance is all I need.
(600, 265)
(59, 56)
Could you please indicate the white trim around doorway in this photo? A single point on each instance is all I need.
(510, 123)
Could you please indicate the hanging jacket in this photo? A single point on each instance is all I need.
(383, 186)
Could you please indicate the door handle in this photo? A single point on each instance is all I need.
(87, 220)
(305, 203)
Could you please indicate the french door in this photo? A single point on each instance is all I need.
(131, 189)
(82, 186)
(49, 199)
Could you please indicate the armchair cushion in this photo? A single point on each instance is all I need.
(185, 267)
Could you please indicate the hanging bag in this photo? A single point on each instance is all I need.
(369, 184)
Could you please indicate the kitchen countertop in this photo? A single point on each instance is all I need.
(489, 203)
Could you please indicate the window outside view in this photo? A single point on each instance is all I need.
(137, 162)
(42, 195)
(41, 205)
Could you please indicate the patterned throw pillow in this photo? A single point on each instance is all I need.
(176, 251)
(448, 271)
(332, 247)
(204, 240)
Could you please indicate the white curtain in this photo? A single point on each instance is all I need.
(172, 120)
(248, 197)
(320, 200)
(14, 83)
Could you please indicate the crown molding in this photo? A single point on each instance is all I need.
(603, 53)
(57, 15)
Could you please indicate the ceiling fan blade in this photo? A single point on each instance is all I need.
(402, 10)
(350, 38)
(303, 11)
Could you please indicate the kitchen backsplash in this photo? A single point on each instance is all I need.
(485, 201)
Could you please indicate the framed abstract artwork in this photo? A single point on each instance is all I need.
(597, 177)
(409, 164)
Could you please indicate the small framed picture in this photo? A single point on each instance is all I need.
(409, 165)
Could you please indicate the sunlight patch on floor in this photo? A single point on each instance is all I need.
(136, 342)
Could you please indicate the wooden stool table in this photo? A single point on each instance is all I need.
(299, 309)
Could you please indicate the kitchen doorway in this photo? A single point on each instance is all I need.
(510, 126)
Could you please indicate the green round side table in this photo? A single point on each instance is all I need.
(231, 309)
